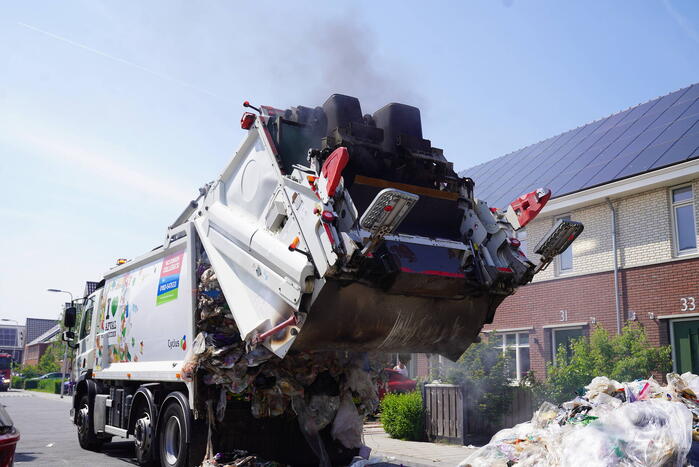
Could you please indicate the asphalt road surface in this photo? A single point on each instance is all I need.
(47, 436)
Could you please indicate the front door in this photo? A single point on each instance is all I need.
(686, 345)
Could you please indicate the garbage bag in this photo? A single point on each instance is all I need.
(347, 426)
(645, 433)
(601, 385)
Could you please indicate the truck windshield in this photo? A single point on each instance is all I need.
(87, 318)
(5, 363)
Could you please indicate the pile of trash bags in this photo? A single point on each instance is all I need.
(322, 389)
(639, 423)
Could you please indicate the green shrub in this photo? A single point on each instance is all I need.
(52, 385)
(31, 384)
(403, 417)
(30, 371)
(626, 357)
(17, 382)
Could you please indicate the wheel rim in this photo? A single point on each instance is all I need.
(172, 440)
(83, 415)
(143, 432)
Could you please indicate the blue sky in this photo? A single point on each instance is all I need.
(113, 113)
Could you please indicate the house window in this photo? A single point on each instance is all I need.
(683, 219)
(564, 261)
(8, 337)
(564, 337)
(516, 346)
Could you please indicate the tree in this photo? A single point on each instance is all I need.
(30, 371)
(50, 361)
(625, 357)
(482, 371)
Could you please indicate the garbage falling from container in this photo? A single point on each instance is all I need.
(323, 389)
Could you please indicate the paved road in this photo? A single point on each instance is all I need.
(48, 437)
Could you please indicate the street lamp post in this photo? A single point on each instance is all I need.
(65, 344)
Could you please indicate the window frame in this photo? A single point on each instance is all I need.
(10, 330)
(516, 346)
(675, 226)
(559, 271)
(86, 321)
(554, 347)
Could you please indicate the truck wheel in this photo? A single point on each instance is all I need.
(174, 450)
(86, 431)
(144, 434)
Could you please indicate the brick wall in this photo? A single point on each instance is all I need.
(589, 298)
(644, 234)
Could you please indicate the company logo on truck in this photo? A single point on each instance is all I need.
(178, 343)
(169, 282)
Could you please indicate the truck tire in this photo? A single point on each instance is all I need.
(86, 428)
(173, 449)
(144, 436)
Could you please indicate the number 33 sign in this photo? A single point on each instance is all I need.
(687, 304)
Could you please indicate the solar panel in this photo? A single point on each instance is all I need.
(670, 132)
(517, 181)
(634, 140)
(521, 163)
(683, 148)
(645, 137)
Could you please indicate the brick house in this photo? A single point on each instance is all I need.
(632, 179)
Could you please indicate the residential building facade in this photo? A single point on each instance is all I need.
(35, 345)
(632, 179)
(12, 339)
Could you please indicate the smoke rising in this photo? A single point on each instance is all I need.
(339, 55)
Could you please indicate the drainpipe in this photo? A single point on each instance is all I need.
(616, 269)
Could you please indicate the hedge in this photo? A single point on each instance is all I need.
(403, 416)
(52, 385)
(31, 384)
(17, 382)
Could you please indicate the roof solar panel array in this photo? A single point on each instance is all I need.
(649, 136)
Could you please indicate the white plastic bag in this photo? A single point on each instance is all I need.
(644, 433)
(347, 426)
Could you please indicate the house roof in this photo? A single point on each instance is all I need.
(37, 326)
(649, 136)
(47, 336)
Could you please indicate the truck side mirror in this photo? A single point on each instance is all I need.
(68, 336)
(69, 317)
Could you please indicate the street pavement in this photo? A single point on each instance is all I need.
(48, 438)
(413, 453)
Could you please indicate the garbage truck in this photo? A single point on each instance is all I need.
(330, 237)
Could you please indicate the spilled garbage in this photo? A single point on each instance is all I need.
(639, 423)
(332, 390)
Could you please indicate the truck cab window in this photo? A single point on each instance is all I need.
(87, 319)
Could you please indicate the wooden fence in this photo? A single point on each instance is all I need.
(451, 415)
(444, 412)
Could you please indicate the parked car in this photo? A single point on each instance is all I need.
(9, 436)
(397, 383)
(49, 376)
